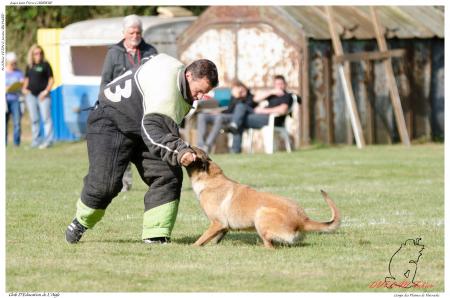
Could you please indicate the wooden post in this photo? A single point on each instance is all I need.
(328, 103)
(369, 74)
(304, 87)
(344, 74)
(393, 91)
(356, 57)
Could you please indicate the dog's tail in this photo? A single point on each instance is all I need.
(333, 224)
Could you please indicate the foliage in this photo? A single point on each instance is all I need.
(386, 194)
(22, 22)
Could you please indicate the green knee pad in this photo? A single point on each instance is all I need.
(159, 221)
(87, 216)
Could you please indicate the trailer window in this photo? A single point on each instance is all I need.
(88, 60)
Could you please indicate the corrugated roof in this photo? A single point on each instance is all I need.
(356, 21)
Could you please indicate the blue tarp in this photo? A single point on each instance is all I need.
(70, 109)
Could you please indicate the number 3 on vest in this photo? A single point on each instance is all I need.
(119, 93)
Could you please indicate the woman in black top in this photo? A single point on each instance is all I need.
(37, 85)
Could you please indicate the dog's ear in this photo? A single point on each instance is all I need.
(199, 152)
(205, 161)
(205, 165)
(207, 157)
(203, 157)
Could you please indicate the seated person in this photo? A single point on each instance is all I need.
(276, 101)
(240, 94)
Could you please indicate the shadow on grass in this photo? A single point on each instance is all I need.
(114, 241)
(233, 238)
(185, 240)
(237, 239)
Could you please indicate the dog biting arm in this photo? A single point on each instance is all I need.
(161, 135)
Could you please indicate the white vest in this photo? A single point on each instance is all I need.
(158, 81)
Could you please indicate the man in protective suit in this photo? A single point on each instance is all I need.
(136, 120)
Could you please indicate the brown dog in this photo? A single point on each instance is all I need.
(232, 206)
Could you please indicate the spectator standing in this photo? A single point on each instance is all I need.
(37, 85)
(13, 78)
(125, 55)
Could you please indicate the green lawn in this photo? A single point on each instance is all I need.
(386, 194)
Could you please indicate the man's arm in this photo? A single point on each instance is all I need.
(160, 134)
(107, 71)
(281, 109)
(264, 94)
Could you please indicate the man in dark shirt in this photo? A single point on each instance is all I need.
(128, 53)
(276, 101)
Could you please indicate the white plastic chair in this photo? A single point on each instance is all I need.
(270, 129)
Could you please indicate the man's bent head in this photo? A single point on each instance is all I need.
(201, 76)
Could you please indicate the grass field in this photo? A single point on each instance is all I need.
(387, 194)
